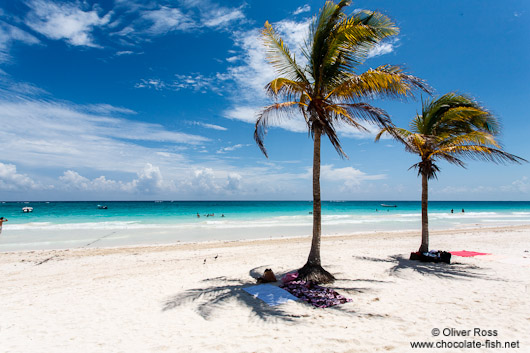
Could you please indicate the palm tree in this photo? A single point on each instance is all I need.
(327, 92)
(449, 128)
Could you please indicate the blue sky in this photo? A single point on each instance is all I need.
(133, 100)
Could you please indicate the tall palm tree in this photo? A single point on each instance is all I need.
(449, 128)
(327, 91)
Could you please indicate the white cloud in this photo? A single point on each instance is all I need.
(196, 82)
(10, 180)
(222, 16)
(124, 52)
(302, 9)
(166, 19)
(383, 48)
(155, 20)
(347, 178)
(209, 126)
(65, 21)
(255, 71)
(154, 83)
(149, 181)
(67, 135)
(10, 34)
(520, 185)
(231, 148)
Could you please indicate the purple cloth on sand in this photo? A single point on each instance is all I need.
(314, 294)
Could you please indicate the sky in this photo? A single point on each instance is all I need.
(148, 100)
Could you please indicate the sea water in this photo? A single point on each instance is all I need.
(55, 225)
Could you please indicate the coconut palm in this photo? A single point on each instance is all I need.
(450, 128)
(326, 90)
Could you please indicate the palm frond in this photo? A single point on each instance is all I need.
(384, 82)
(287, 89)
(263, 121)
(483, 153)
(280, 57)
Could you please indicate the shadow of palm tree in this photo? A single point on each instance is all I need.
(453, 271)
(221, 291)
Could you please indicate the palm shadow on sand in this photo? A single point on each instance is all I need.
(455, 270)
(219, 291)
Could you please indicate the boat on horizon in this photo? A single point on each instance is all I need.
(385, 205)
(102, 207)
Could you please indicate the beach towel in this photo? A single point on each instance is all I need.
(314, 294)
(272, 295)
(465, 253)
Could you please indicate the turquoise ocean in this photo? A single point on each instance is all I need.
(59, 225)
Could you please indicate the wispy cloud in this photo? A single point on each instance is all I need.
(222, 16)
(149, 19)
(383, 48)
(65, 134)
(10, 34)
(209, 126)
(196, 82)
(302, 9)
(66, 21)
(231, 148)
(166, 19)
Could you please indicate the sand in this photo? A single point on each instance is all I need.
(180, 298)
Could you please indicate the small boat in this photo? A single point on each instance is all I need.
(385, 205)
(27, 209)
(102, 207)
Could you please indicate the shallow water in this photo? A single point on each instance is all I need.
(78, 224)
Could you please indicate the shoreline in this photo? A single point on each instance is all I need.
(209, 244)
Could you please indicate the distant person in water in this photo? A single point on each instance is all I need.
(463, 211)
(2, 220)
(451, 210)
(198, 215)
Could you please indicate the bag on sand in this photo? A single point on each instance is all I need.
(268, 276)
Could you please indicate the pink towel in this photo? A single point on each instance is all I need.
(465, 253)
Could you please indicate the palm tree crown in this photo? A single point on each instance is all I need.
(326, 90)
(451, 128)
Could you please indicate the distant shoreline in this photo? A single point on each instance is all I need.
(209, 244)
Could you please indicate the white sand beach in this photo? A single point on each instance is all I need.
(180, 298)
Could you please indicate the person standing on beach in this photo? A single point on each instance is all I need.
(2, 220)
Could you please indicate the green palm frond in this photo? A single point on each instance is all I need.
(273, 111)
(384, 82)
(280, 57)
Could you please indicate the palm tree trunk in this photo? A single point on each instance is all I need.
(314, 254)
(312, 270)
(424, 213)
